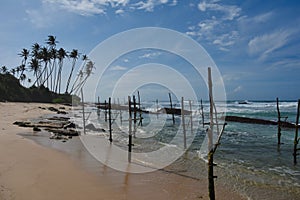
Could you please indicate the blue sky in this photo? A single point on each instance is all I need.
(255, 44)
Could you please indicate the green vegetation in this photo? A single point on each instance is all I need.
(41, 69)
(12, 90)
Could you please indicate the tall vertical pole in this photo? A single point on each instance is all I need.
(83, 112)
(157, 108)
(105, 108)
(211, 186)
(120, 111)
(191, 116)
(134, 116)
(183, 122)
(296, 140)
(109, 119)
(171, 105)
(140, 111)
(202, 113)
(130, 129)
(279, 123)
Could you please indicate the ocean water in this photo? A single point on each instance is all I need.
(248, 160)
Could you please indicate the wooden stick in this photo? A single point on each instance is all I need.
(171, 105)
(191, 116)
(83, 113)
(109, 119)
(296, 140)
(279, 123)
(211, 186)
(129, 132)
(202, 113)
(183, 122)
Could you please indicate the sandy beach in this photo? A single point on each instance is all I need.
(31, 171)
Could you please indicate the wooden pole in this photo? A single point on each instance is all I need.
(183, 122)
(134, 116)
(109, 119)
(211, 186)
(83, 112)
(157, 108)
(202, 113)
(171, 105)
(278, 123)
(191, 116)
(129, 132)
(140, 111)
(296, 140)
(120, 111)
(105, 107)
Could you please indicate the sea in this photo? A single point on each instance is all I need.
(248, 159)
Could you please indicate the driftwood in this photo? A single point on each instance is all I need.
(175, 111)
(258, 121)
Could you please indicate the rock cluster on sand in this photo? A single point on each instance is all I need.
(60, 127)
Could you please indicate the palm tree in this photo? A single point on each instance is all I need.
(36, 68)
(88, 71)
(24, 54)
(46, 56)
(35, 51)
(51, 41)
(13, 71)
(80, 74)
(22, 78)
(4, 69)
(62, 54)
(74, 55)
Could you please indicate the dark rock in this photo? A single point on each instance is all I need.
(62, 112)
(62, 108)
(93, 128)
(53, 109)
(36, 129)
(70, 125)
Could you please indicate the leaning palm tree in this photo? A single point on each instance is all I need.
(88, 71)
(62, 54)
(80, 74)
(74, 55)
(46, 56)
(35, 66)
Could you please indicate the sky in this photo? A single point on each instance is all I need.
(254, 44)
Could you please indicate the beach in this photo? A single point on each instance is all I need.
(29, 170)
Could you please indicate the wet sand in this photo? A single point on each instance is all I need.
(31, 170)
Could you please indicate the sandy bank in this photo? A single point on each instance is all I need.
(31, 171)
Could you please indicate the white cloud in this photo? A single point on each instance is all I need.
(221, 29)
(120, 11)
(230, 12)
(118, 68)
(150, 55)
(93, 7)
(265, 44)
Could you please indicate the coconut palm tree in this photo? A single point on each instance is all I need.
(62, 54)
(35, 66)
(80, 74)
(74, 55)
(24, 54)
(35, 51)
(51, 41)
(4, 69)
(88, 71)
